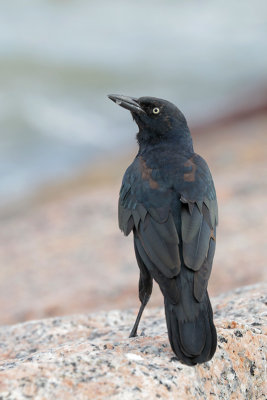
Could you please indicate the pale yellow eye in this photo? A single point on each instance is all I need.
(156, 110)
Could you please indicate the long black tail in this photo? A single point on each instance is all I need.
(191, 331)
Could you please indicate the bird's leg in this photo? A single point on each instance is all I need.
(135, 327)
(145, 287)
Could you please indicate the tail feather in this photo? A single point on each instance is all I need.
(192, 336)
(193, 339)
(175, 341)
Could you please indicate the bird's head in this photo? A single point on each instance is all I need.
(157, 119)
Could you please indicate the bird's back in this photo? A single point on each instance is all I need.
(176, 192)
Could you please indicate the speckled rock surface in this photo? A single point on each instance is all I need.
(91, 356)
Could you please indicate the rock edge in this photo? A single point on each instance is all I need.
(91, 356)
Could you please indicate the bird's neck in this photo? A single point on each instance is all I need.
(181, 140)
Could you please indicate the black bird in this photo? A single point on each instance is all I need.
(168, 201)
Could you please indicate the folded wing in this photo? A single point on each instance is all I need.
(199, 220)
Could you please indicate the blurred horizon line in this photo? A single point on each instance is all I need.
(96, 174)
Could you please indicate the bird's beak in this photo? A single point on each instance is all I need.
(130, 103)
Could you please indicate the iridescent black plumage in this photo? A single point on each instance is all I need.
(168, 200)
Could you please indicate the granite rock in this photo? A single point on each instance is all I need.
(91, 356)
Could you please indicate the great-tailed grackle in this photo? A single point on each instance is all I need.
(168, 200)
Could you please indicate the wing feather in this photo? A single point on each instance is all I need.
(154, 228)
(198, 236)
(161, 244)
(201, 277)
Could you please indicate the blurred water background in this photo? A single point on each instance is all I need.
(59, 60)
